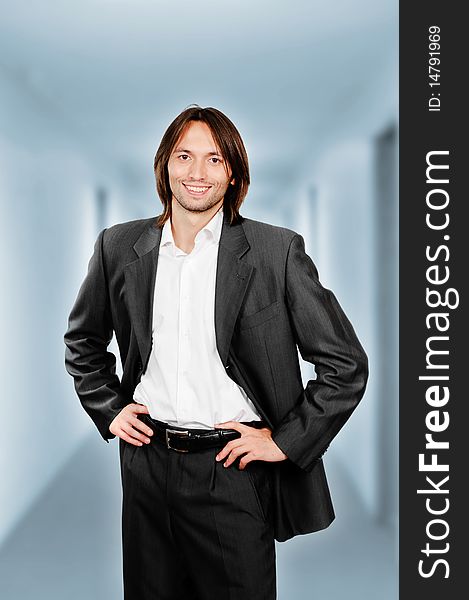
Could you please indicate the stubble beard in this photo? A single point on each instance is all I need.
(194, 206)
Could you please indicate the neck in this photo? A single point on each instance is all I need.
(186, 224)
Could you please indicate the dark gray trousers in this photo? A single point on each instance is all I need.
(193, 529)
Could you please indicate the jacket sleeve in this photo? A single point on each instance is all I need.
(325, 338)
(89, 333)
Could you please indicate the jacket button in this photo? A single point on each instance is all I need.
(227, 366)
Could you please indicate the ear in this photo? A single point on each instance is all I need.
(232, 182)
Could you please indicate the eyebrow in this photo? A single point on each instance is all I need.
(189, 152)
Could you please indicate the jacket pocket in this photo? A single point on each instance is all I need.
(259, 317)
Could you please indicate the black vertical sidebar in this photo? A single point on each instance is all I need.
(433, 331)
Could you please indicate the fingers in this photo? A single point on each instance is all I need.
(128, 427)
(257, 445)
(233, 425)
(233, 450)
(139, 408)
(137, 424)
(127, 438)
(137, 437)
(247, 458)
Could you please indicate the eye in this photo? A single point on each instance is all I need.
(183, 157)
(215, 160)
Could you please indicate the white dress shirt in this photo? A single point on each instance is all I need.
(185, 383)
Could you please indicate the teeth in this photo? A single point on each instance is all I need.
(196, 189)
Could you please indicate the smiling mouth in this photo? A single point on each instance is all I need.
(197, 190)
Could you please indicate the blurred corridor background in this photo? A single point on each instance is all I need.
(86, 91)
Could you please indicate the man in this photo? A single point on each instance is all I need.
(220, 444)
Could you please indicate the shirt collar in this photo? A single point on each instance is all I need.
(166, 234)
(212, 230)
(214, 226)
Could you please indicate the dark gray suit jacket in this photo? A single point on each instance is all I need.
(268, 302)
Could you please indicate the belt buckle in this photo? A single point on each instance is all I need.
(176, 432)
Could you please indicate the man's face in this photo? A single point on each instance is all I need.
(196, 169)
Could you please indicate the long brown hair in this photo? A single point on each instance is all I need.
(231, 146)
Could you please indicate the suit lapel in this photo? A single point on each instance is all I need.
(233, 275)
(140, 278)
(232, 279)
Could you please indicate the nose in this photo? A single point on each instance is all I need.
(198, 169)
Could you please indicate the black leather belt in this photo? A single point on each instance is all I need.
(190, 440)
